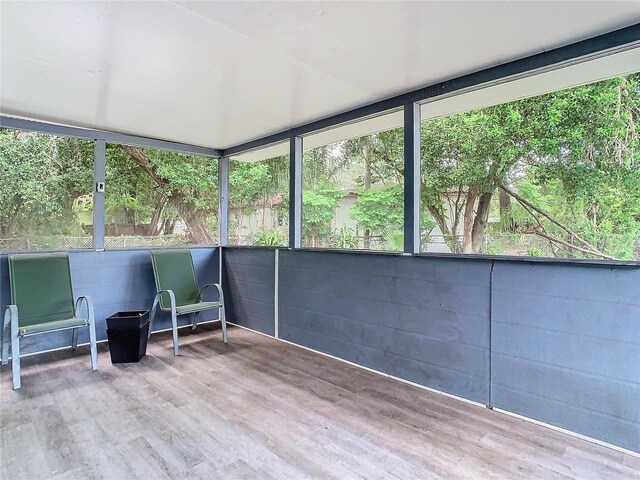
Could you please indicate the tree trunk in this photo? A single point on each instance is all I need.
(505, 203)
(481, 222)
(199, 233)
(153, 229)
(469, 207)
(505, 209)
(450, 238)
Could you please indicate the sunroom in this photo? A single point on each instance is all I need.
(424, 219)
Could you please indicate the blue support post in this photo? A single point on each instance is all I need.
(99, 186)
(295, 193)
(412, 177)
(223, 213)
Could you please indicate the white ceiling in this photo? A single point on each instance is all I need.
(217, 74)
(590, 71)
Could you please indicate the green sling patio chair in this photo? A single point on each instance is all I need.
(42, 302)
(178, 292)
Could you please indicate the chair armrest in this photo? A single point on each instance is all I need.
(10, 312)
(217, 285)
(86, 299)
(172, 300)
(156, 302)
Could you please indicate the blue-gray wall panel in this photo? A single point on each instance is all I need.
(566, 347)
(422, 319)
(117, 280)
(249, 287)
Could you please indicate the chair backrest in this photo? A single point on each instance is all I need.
(173, 270)
(41, 287)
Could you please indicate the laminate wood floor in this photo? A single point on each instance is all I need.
(259, 408)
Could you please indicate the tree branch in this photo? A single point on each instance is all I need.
(551, 244)
(523, 202)
(143, 161)
(535, 231)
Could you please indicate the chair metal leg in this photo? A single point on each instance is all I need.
(92, 329)
(5, 334)
(174, 316)
(174, 328)
(74, 339)
(3, 355)
(15, 353)
(152, 316)
(93, 343)
(223, 322)
(194, 321)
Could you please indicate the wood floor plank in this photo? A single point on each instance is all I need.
(262, 409)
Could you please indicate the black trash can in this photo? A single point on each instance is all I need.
(127, 333)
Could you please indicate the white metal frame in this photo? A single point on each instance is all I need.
(11, 322)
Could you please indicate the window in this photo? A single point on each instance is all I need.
(45, 191)
(156, 198)
(557, 175)
(352, 194)
(259, 197)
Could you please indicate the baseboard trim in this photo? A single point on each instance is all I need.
(569, 432)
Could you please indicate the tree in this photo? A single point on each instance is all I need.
(380, 156)
(464, 159)
(41, 177)
(133, 198)
(186, 182)
(275, 188)
(246, 186)
(584, 137)
(591, 166)
(318, 209)
(380, 210)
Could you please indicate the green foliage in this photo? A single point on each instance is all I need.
(270, 238)
(318, 207)
(380, 209)
(573, 153)
(535, 252)
(394, 241)
(612, 222)
(257, 185)
(157, 188)
(344, 238)
(246, 182)
(41, 177)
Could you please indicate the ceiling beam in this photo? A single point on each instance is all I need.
(108, 137)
